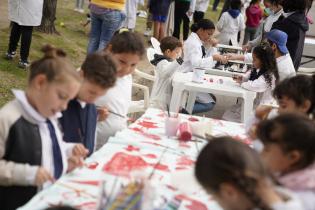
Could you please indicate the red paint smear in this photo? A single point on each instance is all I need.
(193, 119)
(131, 148)
(92, 165)
(150, 136)
(194, 204)
(122, 164)
(95, 183)
(89, 205)
(171, 187)
(185, 161)
(180, 168)
(183, 144)
(152, 156)
(147, 124)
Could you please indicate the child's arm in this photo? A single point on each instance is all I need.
(258, 85)
(166, 69)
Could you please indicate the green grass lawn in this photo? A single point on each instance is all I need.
(73, 39)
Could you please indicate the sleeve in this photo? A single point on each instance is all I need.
(220, 23)
(194, 55)
(166, 69)
(248, 58)
(12, 173)
(258, 85)
(255, 42)
(242, 23)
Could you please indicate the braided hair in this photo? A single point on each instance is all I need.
(225, 160)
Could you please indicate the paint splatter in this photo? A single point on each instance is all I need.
(151, 156)
(193, 119)
(147, 135)
(94, 182)
(161, 167)
(184, 144)
(92, 165)
(194, 204)
(147, 124)
(131, 148)
(185, 161)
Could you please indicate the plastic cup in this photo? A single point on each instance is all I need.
(198, 75)
(171, 126)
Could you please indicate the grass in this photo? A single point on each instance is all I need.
(73, 39)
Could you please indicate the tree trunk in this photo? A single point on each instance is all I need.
(49, 17)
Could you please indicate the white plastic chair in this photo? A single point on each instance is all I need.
(156, 45)
(141, 105)
(307, 71)
(150, 54)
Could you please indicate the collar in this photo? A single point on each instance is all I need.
(82, 103)
(21, 97)
(196, 37)
(287, 14)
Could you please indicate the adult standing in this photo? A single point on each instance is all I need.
(294, 22)
(106, 18)
(184, 9)
(24, 15)
(200, 9)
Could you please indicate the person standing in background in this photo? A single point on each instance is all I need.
(200, 9)
(131, 13)
(215, 5)
(79, 6)
(254, 15)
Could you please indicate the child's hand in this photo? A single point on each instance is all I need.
(80, 150)
(246, 48)
(233, 56)
(237, 78)
(221, 58)
(42, 176)
(102, 113)
(74, 162)
(213, 42)
(262, 111)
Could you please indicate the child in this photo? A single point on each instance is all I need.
(166, 66)
(234, 175)
(200, 9)
(159, 10)
(127, 48)
(253, 16)
(31, 148)
(289, 154)
(262, 79)
(230, 23)
(78, 121)
(24, 15)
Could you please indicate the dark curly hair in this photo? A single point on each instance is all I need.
(268, 63)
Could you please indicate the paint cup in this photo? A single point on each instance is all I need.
(198, 75)
(185, 133)
(171, 126)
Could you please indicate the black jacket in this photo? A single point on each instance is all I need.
(295, 26)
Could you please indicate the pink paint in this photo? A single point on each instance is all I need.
(92, 182)
(161, 167)
(152, 156)
(131, 148)
(87, 205)
(211, 80)
(147, 124)
(185, 161)
(150, 136)
(194, 204)
(180, 168)
(193, 119)
(92, 165)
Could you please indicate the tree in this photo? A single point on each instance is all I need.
(49, 17)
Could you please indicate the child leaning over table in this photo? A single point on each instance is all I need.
(32, 153)
(166, 66)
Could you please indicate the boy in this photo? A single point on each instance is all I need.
(79, 119)
(166, 66)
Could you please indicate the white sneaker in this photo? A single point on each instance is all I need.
(81, 10)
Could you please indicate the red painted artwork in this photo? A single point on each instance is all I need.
(185, 161)
(92, 165)
(150, 136)
(152, 156)
(194, 204)
(147, 124)
(131, 148)
(92, 182)
(193, 119)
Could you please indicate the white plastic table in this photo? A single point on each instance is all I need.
(219, 86)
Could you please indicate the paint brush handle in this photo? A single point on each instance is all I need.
(114, 113)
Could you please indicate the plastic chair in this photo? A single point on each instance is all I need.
(307, 71)
(150, 54)
(156, 45)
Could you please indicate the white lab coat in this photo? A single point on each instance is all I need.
(131, 13)
(26, 12)
(202, 5)
(285, 67)
(229, 28)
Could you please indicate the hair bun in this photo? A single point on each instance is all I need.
(52, 52)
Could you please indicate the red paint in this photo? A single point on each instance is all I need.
(150, 136)
(185, 161)
(131, 148)
(94, 183)
(194, 204)
(92, 165)
(171, 187)
(180, 168)
(210, 80)
(152, 156)
(193, 119)
(147, 124)
(122, 164)
(183, 144)
(87, 205)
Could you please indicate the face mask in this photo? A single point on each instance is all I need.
(268, 11)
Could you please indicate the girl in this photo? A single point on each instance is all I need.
(31, 148)
(196, 55)
(24, 15)
(230, 23)
(234, 175)
(262, 79)
(289, 153)
(127, 48)
(253, 16)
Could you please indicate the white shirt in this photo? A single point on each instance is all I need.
(260, 86)
(291, 201)
(229, 27)
(202, 5)
(131, 13)
(162, 86)
(285, 67)
(118, 100)
(193, 58)
(47, 153)
(26, 12)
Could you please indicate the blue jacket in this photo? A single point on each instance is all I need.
(79, 124)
